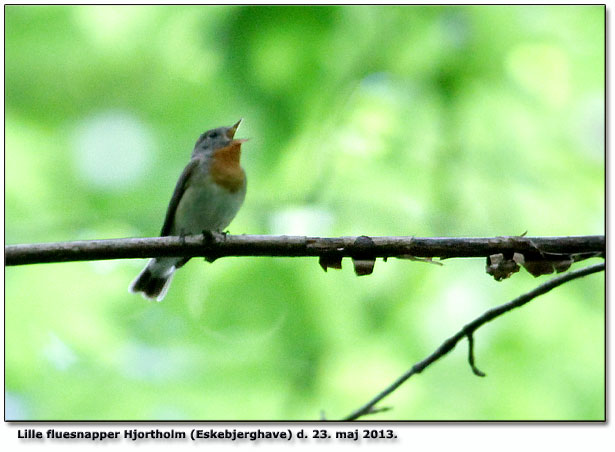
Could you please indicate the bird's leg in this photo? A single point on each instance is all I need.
(208, 238)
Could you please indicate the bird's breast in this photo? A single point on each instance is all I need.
(206, 205)
(225, 169)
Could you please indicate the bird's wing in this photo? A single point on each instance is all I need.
(177, 195)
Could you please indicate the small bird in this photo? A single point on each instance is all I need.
(208, 195)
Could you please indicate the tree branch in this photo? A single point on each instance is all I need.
(468, 330)
(220, 245)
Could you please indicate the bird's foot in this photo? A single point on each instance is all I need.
(208, 239)
(208, 236)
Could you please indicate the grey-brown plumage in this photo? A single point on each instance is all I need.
(207, 196)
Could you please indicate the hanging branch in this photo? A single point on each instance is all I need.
(467, 331)
(330, 250)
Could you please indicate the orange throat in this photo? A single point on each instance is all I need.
(225, 169)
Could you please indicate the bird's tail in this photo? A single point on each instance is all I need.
(154, 281)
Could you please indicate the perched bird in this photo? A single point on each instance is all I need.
(208, 194)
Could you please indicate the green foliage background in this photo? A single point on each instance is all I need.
(426, 121)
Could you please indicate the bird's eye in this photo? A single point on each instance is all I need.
(213, 135)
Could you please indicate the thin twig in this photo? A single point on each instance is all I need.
(475, 369)
(220, 245)
(470, 328)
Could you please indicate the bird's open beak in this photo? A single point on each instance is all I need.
(233, 129)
